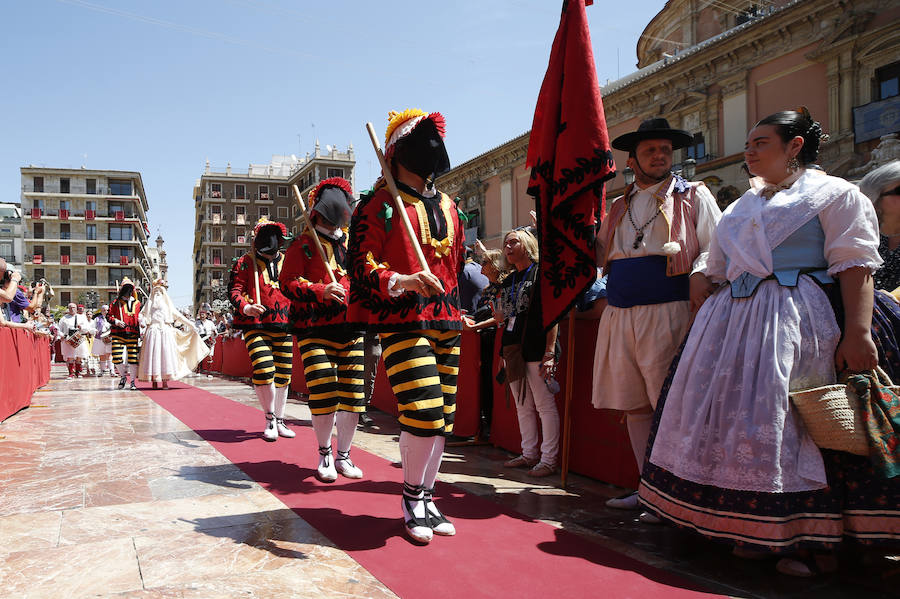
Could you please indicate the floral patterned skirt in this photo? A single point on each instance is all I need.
(857, 505)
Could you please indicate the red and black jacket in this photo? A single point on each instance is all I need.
(303, 280)
(379, 247)
(128, 311)
(242, 291)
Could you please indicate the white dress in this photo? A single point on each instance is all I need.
(167, 353)
(728, 420)
(68, 324)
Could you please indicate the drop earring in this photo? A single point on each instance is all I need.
(793, 165)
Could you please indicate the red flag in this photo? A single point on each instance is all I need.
(570, 158)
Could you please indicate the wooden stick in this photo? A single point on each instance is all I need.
(570, 382)
(398, 201)
(312, 231)
(255, 276)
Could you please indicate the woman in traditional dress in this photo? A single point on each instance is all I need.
(167, 353)
(730, 457)
(102, 346)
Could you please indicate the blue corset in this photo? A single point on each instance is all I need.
(803, 252)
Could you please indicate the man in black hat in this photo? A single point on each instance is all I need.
(653, 246)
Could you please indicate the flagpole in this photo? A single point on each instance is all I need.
(312, 232)
(398, 201)
(567, 413)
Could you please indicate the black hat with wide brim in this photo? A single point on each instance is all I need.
(655, 128)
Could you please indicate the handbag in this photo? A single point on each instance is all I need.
(513, 362)
(833, 414)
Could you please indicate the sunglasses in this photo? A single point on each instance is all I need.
(891, 192)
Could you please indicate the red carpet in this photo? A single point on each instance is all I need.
(496, 552)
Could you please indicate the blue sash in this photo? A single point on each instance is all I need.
(643, 282)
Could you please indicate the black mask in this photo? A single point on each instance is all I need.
(268, 240)
(333, 205)
(126, 291)
(422, 151)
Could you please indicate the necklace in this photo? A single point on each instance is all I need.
(640, 230)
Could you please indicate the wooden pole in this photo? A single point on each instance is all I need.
(312, 231)
(570, 383)
(398, 201)
(255, 276)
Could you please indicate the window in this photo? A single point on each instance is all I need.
(64, 185)
(282, 212)
(887, 81)
(6, 251)
(38, 231)
(65, 297)
(263, 211)
(217, 234)
(335, 172)
(65, 276)
(697, 150)
(282, 191)
(120, 233)
(114, 207)
(91, 250)
(119, 187)
(217, 257)
(65, 250)
(238, 253)
(38, 274)
(39, 250)
(38, 184)
(90, 232)
(215, 190)
(240, 191)
(90, 277)
(90, 205)
(65, 231)
(264, 192)
(117, 274)
(39, 204)
(116, 253)
(65, 205)
(216, 209)
(91, 187)
(240, 210)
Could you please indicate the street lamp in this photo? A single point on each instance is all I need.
(689, 169)
(628, 174)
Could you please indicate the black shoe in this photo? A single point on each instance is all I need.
(122, 382)
(133, 387)
(365, 419)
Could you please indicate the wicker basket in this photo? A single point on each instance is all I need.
(832, 417)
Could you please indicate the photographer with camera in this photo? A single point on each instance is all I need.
(13, 295)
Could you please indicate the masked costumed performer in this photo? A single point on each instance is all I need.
(124, 314)
(331, 347)
(261, 312)
(415, 312)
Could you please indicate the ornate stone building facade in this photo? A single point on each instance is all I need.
(715, 69)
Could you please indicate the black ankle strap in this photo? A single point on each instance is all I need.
(270, 416)
(343, 455)
(428, 492)
(413, 491)
(325, 450)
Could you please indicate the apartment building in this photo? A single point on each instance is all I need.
(228, 204)
(85, 230)
(11, 234)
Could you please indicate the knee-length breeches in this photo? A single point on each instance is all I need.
(334, 366)
(270, 354)
(422, 367)
(120, 343)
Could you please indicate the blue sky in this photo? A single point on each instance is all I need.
(160, 87)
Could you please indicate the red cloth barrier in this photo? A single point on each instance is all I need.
(235, 359)
(600, 446)
(26, 367)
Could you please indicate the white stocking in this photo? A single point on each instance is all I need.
(346, 427)
(322, 425)
(266, 395)
(639, 432)
(434, 463)
(415, 453)
(132, 370)
(122, 369)
(281, 394)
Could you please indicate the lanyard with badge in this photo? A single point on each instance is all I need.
(514, 292)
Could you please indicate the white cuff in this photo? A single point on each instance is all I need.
(394, 291)
(840, 267)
